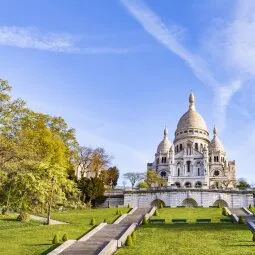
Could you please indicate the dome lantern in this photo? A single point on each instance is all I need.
(191, 101)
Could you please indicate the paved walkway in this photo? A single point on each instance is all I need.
(43, 219)
(100, 239)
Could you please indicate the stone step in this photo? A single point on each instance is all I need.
(238, 211)
(100, 239)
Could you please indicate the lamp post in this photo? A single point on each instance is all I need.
(110, 194)
(50, 200)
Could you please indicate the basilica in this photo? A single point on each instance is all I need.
(193, 160)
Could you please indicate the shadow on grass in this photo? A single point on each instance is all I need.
(197, 226)
(50, 249)
(38, 244)
(239, 245)
(9, 219)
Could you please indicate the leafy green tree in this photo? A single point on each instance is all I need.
(142, 185)
(110, 176)
(152, 178)
(91, 189)
(34, 148)
(242, 184)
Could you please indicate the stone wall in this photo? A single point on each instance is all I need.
(189, 197)
(113, 201)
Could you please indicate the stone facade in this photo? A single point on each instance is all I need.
(189, 197)
(193, 160)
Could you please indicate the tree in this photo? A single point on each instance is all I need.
(100, 160)
(152, 178)
(91, 162)
(134, 177)
(110, 176)
(34, 148)
(142, 185)
(242, 184)
(91, 189)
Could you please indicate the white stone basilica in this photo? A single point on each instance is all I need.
(193, 161)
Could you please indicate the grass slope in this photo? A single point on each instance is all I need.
(33, 238)
(191, 239)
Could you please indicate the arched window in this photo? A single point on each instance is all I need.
(198, 185)
(163, 174)
(178, 172)
(177, 148)
(201, 147)
(178, 185)
(157, 161)
(210, 159)
(163, 160)
(189, 149)
(188, 166)
(214, 159)
(187, 185)
(196, 146)
(198, 171)
(180, 147)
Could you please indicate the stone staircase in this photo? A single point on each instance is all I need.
(135, 217)
(241, 212)
(97, 242)
(238, 211)
(100, 239)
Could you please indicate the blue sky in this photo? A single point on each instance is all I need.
(119, 71)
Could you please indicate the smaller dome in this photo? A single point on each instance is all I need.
(216, 144)
(165, 144)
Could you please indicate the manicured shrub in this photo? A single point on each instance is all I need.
(23, 217)
(250, 206)
(224, 212)
(133, 235)
(128, 206)
(118, 211)
(240, 220)
(55, 239)
(65, 237)
(145, 221)
(129, 241)
(93, 222)
(156, 213)
(105, 221)
(253, 237)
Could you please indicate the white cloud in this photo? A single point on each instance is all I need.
(233, 43)
(168, 36)
(33, 38)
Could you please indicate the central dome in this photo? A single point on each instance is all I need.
(191, 119)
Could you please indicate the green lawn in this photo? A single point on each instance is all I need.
(34, 238)
(191, 239)
(191, 214)
(252, 209)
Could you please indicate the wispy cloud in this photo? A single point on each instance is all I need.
(223, 91)
(33, 38)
